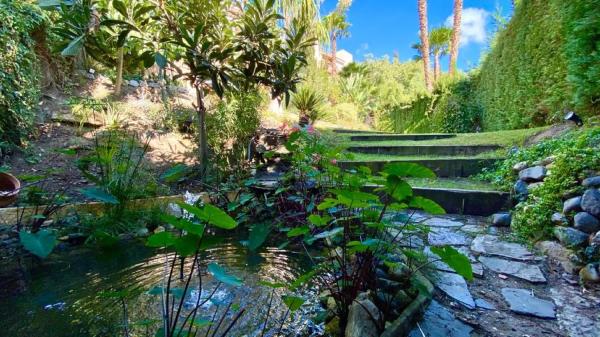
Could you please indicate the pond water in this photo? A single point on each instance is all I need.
(65, 296)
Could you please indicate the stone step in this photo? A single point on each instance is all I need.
(359, 131)
(414, 137)
(426, 150)
(443, 167)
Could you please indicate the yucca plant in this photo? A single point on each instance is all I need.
(309, 104)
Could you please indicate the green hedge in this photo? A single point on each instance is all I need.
(544, 61)
(19, 72)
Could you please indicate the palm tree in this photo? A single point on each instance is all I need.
(439, 40)
(458, 6)
(422, 4)
(337, 26)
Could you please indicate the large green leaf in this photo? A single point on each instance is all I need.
(427, 205)
(39, 244)
(258, 235)
(398, 188)
(99, 195)
(187, 244)
(161, 239)
(298, 231)
(408, 170)
(457, 261)
(222, 275)
(327, 203)
(318, 220)
(74, 47)
(174, 173)
(293, 302)
(217, 217)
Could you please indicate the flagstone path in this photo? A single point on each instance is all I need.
(515, 292)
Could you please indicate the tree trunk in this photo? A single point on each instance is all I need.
(202, 137)
(424, 42)
(333, 54)
(436, 66)
(458, 5)
(119, 81)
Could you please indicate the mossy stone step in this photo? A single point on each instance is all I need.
(426, 150)
(443, 167)
(359, 131)
(414, 137)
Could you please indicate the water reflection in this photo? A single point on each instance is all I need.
(65, 296)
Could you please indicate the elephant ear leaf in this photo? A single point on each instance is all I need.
(39, 244)
(455, 260)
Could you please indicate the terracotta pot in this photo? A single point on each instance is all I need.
(9, 189)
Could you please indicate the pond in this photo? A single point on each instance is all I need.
(66, 295)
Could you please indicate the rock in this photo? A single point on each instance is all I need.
(533, 174)
(518, 167)
(572, 205)
(523, 302)
(557, 253)
(520, 270)
(501, 219)
(586, 223)
(595, 240)
(521, 190)
(454, 286)
(483, 304)
(388, 286)
(590, 202)
(492, 245)
(570, 237)
(438, 321)
(90, 77)
(443, 236)
(441, 222)
(591, 182)
(134, 83)
(473, 229)
(360, 323)
(592, 253)
(590, 273)
(548, 160)
(534, 186)
(399, 273)
(559, 219)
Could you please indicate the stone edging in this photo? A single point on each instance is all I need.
(405, 322)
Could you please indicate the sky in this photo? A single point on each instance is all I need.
(389, 27)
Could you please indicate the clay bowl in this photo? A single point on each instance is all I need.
(9, 189)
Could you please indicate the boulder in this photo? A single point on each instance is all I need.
(501, 219)
(518, 167)
(570, 237)
(559, 219)
(595, 240)
(591, 182)
(548, 160)
(590, 202)
(586, 223)
(360, 319)
(134, 83)
(521, 190)
(572, 205)
(590, 273)
(558, 253)
(533, 174)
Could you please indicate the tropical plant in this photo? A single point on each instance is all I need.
(454, 43)
(19, 72)
(309, 104)
(439, 39)
(424, 35)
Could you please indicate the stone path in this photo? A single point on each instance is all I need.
(515, 292)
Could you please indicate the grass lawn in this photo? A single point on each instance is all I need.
(452, 183)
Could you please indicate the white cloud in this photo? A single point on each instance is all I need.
(473, 25)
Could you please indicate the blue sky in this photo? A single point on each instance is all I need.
(386, 27)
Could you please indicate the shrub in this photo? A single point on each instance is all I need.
(231, 126)
(19, 76)
(457, 109)
(576, 155)
(309, 104)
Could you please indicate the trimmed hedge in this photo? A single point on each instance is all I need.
(544, 61)
(19, 71)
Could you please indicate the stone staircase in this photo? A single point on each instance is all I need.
(449, 162)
